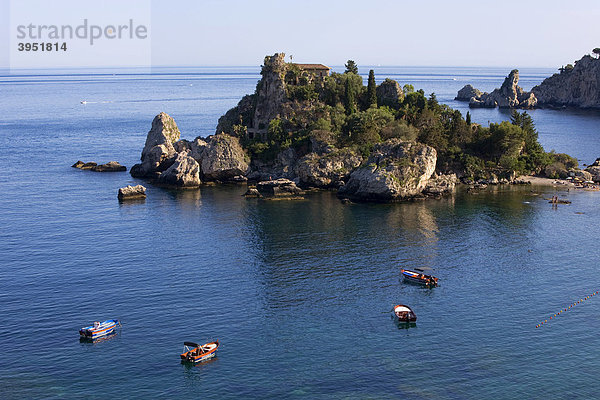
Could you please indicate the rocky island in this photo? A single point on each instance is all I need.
(575, 86)
(305, 127)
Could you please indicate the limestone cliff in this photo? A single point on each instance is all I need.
(396, 170)
(182, 163)
(509, 95)
(573, 87)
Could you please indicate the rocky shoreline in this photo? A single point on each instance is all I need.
(576, 86)
(396, 170)
(301, 132)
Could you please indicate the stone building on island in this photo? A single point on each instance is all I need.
(318, 70)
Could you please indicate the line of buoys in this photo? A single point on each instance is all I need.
(566, 309)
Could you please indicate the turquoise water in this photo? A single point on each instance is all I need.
(298, 293)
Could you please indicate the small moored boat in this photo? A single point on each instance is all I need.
(405, 313)
(419, 277)
(99, 329)
(193, 352)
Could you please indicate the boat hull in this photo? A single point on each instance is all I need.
(191, 356)
(420, 279)
(106, 328)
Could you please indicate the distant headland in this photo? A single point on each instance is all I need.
(305, 127)
(576, 86)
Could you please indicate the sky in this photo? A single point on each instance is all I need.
(515, 34)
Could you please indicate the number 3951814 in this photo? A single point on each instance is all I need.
(44, 46)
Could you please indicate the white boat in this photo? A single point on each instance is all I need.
(99, 329)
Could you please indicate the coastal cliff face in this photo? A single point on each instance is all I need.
(270, 91)
(182, 163)
(576, 87)
(158, 153)
(396, 170)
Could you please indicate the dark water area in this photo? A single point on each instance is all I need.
(298, 293)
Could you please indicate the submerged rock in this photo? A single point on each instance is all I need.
(132, 192)
(81, 165)
(184, 172)
(396, 170)
(111, 166)
(278, 188)
(252, 192)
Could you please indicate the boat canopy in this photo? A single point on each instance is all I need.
(191, 344)
(402, 308)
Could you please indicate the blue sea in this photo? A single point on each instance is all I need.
(299, 293)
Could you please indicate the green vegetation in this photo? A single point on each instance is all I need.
(371, 90)
(351, 67)
(341, 111)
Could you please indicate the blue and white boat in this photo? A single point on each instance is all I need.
(99, 329)
(419, 277)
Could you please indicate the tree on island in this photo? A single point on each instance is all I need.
(468, 118)
(596, 51)
(349, 98)
(351, 67)
(371, 90)
(408, 88)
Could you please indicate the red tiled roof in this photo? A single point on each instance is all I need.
(313, 66)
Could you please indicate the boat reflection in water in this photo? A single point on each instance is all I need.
(99, 340)
(405, 325)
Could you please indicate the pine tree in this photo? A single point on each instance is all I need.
(351, 67)
(372, 90)
(468, 118)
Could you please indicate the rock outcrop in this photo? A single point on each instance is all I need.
(578, 86)
(284, 166)
(594, 170)
(509, 95)
(270, 92)
(184, 172)
(467, 92)
(396, 170)
(278, 188)
(183, 163)
(389, 93)
(111, 166)
(81, 165)
(440, 184)
(223, 158)
(328, 170)
(131, 192)
(158, 153)
(581, 174)
(575, 86)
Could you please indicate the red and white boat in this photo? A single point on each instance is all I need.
(405, 313)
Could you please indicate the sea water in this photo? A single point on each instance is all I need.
(298, 293)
